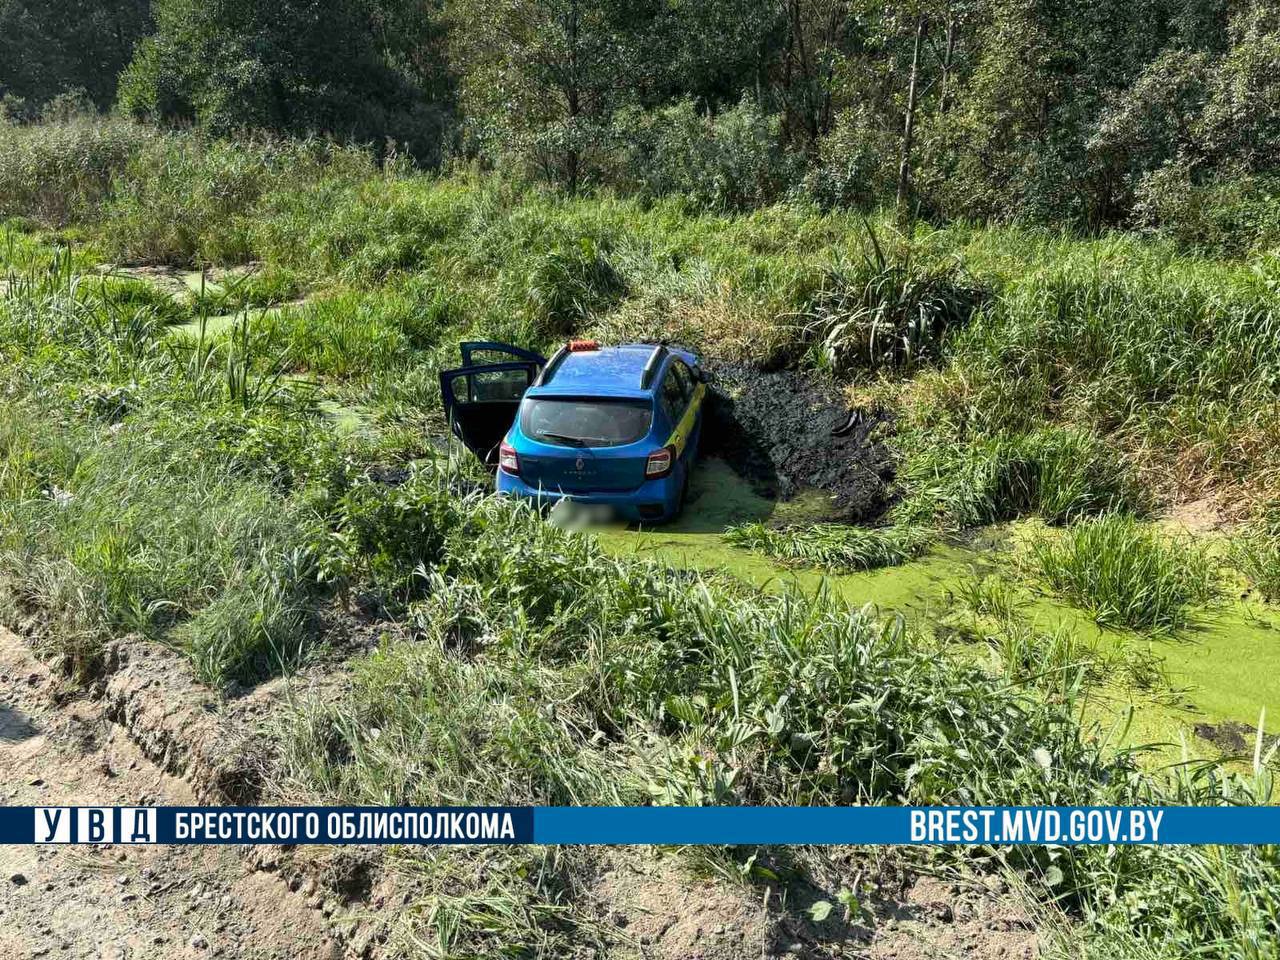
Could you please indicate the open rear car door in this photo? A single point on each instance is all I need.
(482, 396)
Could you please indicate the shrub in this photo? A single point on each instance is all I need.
(1127, 574)
(1233, 216)
(854, 166)
(886, 310)
(727, 161)
(379, 532)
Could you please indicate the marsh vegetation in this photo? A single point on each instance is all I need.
(229, 466)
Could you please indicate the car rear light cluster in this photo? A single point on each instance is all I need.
(509, 460)
(660, 463)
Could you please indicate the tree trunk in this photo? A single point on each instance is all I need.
(948, 58)
(909, 124)
(573, 102)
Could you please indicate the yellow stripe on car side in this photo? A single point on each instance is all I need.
(680, 436)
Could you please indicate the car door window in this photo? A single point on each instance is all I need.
(490, 386)
(673, 397)
(685, 378)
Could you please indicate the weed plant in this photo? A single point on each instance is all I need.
(839, 549)
(886, 310)
(1256, 553)
(1127, 574)
(1057, 473)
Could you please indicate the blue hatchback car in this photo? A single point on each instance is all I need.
(616, 427)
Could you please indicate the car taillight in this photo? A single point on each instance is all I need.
(660, 462)
(508, 460)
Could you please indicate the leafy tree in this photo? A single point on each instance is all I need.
(542, 78)
(712, 51)
(1241, 123)
(52, 47)
(336, 67)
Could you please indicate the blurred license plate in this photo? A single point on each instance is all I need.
(572, 513)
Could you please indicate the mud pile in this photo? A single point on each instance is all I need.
(787, 432)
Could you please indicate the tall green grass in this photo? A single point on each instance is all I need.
(1057, 473)
(886, 309)
(1127, 574)
(1255, 551)
(544, 671)
(133, 531)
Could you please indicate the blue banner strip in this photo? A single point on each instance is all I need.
(643, 825)
(907, 825)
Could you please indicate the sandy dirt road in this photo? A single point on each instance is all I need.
(135, 902)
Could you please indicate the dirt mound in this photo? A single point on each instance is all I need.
(787, 432)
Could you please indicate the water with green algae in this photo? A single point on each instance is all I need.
(1212, 683)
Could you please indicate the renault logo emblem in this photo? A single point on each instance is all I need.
(578, 464)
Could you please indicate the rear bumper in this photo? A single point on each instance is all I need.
(652, 502)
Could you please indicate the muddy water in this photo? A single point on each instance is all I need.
(1214, 679)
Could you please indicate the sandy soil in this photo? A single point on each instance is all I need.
(57, 748)
(669, 915)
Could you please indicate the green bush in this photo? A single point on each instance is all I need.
(1233, 216)
(296, 69)
(732, 160)
(1127, 574)
(854, 165)
(886, 310)
(378, 533)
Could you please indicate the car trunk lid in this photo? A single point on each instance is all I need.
(583, 470)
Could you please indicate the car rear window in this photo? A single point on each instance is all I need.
(588, 423)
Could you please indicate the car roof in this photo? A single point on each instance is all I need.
(605, 372)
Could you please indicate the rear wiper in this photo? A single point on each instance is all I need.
(571, 441)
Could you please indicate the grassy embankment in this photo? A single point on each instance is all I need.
(185, 480)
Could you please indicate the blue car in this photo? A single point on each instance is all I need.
(615, 427)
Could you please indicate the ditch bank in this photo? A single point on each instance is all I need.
(788, 433)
